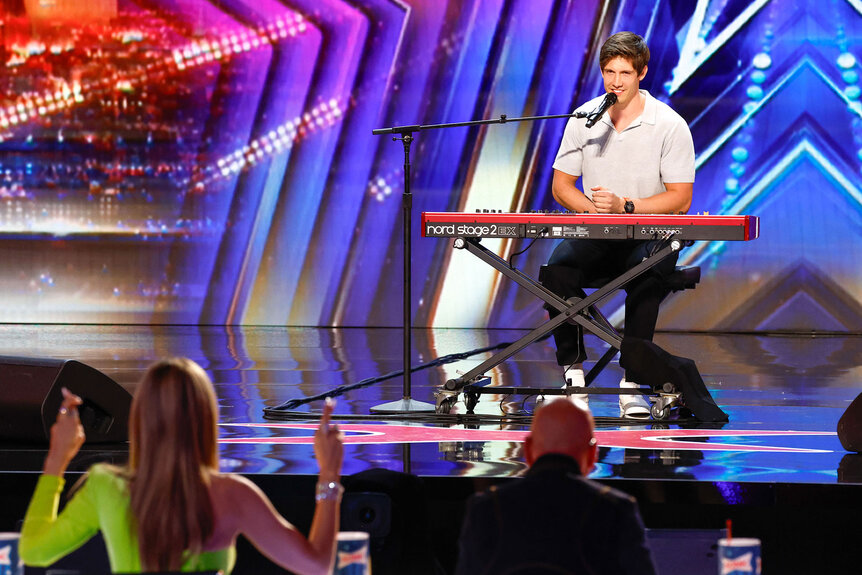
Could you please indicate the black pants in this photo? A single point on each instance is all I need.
(576, 264)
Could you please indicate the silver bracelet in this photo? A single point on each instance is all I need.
(328, 491)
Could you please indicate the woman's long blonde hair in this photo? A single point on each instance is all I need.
(173, 451)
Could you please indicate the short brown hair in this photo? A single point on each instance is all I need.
(626, 45)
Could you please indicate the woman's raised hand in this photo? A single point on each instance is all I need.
(328, 445)
(67, 435)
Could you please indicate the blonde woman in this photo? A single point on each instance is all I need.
(170, 508)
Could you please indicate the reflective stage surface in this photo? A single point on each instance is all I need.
(784, 396)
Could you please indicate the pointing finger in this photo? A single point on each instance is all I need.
(70, 403)
(70, 398)
(328, 407)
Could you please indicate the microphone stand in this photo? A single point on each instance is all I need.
(404, 134)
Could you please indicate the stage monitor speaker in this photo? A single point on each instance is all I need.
(393, 507)
(850, 426)
(30, 397)
(367, 511)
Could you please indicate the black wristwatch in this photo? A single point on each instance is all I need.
(629, 207)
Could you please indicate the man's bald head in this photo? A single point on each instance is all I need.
(564, 427)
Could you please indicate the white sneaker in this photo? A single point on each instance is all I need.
(575, 378)
(633, 406)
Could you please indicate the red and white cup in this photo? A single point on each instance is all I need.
(739, 556)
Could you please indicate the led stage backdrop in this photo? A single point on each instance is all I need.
(192, 161)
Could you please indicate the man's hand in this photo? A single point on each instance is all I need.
(606, 201)
(568, 195)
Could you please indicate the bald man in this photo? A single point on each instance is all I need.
(554, 519)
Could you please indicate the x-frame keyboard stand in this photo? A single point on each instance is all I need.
(579, 310)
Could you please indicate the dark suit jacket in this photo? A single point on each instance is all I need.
(553, 521)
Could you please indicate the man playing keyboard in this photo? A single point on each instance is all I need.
(638, 158)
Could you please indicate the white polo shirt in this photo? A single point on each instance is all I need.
(654, 150)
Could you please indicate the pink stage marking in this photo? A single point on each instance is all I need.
(365, 434)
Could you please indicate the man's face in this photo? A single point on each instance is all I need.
(621, 78)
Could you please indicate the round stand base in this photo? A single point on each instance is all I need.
(404, 405)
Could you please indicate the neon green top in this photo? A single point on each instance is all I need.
(102, 504)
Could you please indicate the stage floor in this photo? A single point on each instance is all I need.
(776, 468)
(784, 396)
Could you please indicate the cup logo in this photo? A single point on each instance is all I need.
(357, 557)
(352, 553)
(741, 564)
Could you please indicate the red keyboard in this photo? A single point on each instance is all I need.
(593, 226)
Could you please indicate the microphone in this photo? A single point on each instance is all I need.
(595, 115)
